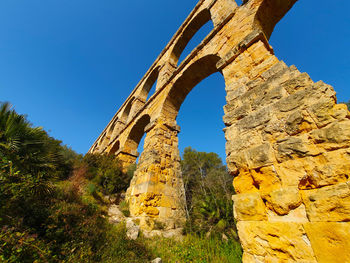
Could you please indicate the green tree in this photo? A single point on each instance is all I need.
(208, 188)
(30, 162)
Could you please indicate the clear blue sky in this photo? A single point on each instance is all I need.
(70, 64)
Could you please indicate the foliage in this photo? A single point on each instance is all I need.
(52, 207)
(22, 247)
(30, 149)
(124, 208)
(106, 171)
(195, 248)
(208, 188)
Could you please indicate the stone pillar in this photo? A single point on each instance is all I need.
(156, 192)
(288, 149)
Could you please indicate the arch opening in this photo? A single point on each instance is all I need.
(201, 141)
(201, 21)
(270, 13)
(136, 134)
(111, 130)
(150, 85)
(115, 148)
(193, 75)
(204, 123)
(126, 111)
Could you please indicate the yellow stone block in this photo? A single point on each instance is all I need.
(330, 241)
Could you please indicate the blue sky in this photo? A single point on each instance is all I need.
(70, 64)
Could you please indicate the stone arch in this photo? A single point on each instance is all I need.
(192, 28)
(136, 134)
(151, 80)
(270, 12)
(111, 130)
(115, 148)
(125, 115)
(195, 73)
(103, 141)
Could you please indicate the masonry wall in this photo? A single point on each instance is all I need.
(288, 148)
(287, 139)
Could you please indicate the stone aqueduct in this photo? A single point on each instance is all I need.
(287, 139)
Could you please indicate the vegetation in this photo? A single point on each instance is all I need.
(209, 189)
(196, 248)
(53, 204)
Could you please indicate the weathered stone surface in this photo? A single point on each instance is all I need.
(334, 136)
(290, 147)
(275, 242)
(115, 215)
(328, 204)
(299, 122)
(266, 179)
(260, 156)
(157, 260)
(132, 230)
(297, 215)
(249, 207)
(330, 241)
(283, 200)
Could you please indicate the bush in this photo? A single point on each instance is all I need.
(106, 171)
(124, 208)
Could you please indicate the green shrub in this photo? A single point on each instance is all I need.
(106, 171)
(124, 208)
(208, 188)
(22, 246)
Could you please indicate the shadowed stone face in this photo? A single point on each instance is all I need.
(287, 139)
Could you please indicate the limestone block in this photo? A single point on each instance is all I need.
(299, 122)
(291, 172)
(328, 204)
(243, 142)
(322, 111)
(221, 10)
(132, 230)
(334, 136)
(283, 200)
(340, 112)
(275, 242)
(330, 241)
(234, 91)
(301, 81)
(326, 169)
(269, 97)
(236, 114)
(290, 147)
(249, 207)
(278, 67)
(236, 162)
(244, 183)
(260, 156)
(266, 179)
(255, 119)
(294, 101)
(297, 215)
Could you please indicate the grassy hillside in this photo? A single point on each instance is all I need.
(53, 206)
